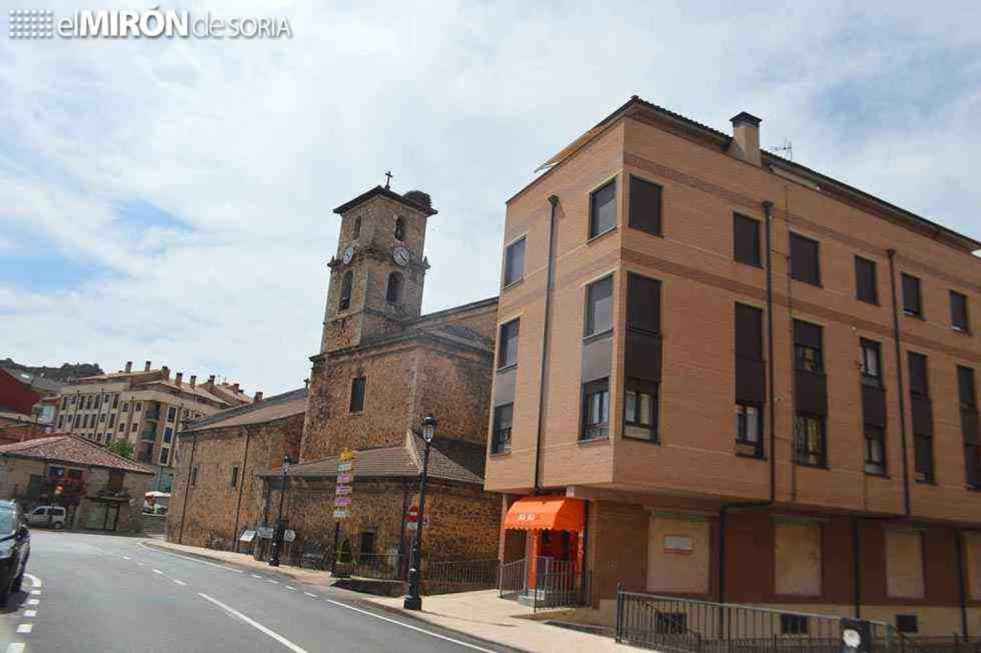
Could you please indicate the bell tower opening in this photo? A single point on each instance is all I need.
(377, 274)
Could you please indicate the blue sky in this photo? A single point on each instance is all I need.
(171, 200)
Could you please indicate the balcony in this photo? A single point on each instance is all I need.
(149, 433)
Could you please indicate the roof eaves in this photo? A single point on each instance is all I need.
(384, 192)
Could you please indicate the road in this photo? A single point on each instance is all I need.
(105, 593)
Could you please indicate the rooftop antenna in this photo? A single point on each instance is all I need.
(787, 149)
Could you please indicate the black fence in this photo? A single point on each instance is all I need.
(557, 583)
(951, 644)
(684, 625)
(460, 575)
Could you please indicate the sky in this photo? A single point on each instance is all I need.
(171, 200)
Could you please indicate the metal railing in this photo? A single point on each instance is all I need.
(557, 583)
(949, 644)
(676, 624)
(467, 574)
(381, 566)
(512, 579)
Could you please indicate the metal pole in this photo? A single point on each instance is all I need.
(413, 601)
(337, 534)
(280, 531)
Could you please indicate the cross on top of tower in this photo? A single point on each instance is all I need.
(388, 180)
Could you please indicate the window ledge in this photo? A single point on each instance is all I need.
(809, 283)
(507, 368)
(973, 488)
(513, 284)
(633, 438)
(812, 465)
(593, 441)
(643, 231)
(597, 336)
(882, 475)
(750, 264)
(960, 331)
(926, 481)
(751, 456)
(918, 316)
(500, 454)
(593, 239)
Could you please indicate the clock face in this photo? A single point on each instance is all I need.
(401, 255)
(348, 254)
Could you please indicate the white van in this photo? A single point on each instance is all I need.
(53, 516)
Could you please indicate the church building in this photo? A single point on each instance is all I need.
(382, 367)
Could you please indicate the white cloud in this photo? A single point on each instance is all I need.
(253, 143)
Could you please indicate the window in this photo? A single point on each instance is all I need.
(168, 434)
(807, 347)
(138, 406)
(875, 450)
(804, 260)
(164, 455)
(918, 375)
(102, 417)
(749, 425)
(357, 394)
(393, 294)
(234, 480)
(134, 426)
(907, 623)
(507, 355)
(871, 363)
(194, 475)
(958, 311)
(501, 439)
(125, 406)
(745, 239)
(77, 421)
(61, 421)
(599, 306)
(643, 303)
(356, 232)
(171, 413)
(112, 420)
(912, 301)
(922, 412)
(969, 425)
(645, 206)
(400, 228)
(514, 262)
(116, 480)
(793, 624)
(346, 283)
(809, 440)
(603, 209)
(640, 410)
(866, 289)
(596, 409)
(367, 544)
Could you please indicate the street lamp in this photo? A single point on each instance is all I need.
(280, 524)
(413, 601)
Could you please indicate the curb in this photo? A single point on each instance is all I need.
(272, 571)
(409, 615)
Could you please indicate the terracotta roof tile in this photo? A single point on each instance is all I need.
(73, 450)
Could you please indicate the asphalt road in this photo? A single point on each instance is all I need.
(104, 593)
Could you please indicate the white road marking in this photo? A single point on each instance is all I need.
(311, 594)
(15, 647)
(255, 624)
(141, 564)
(30, 613)
(290, 587)
(410, 627)
(25, 628)
(35, 581)
(189, 559)
(274, 582)
(157, 571)
(256, 576)
(36, 592)
(32, 601)
(179, 582)
(126, 558)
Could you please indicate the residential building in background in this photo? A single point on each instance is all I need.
(146, 407)
(724, 375)
(21, 391)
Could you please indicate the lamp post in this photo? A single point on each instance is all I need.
(413, 601)
(280, 533)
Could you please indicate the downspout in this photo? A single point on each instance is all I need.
(241, 485)
(771, 409)
(960, 583)
(553, 201)
(899, 380)
(187, 489)
(857, 565)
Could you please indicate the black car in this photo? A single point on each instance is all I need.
(15, 549)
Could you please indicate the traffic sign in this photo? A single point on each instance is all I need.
(412, 519)
(344, 467)
(341, 513)
(342, 501)
(343, 489)
(345, 478)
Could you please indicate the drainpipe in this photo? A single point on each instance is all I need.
(857, 565)
(724, 508)
(553, 201)
(241, 486)
(899, 380)
(187, 488)
(960, 582)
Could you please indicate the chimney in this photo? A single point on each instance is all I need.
(306, 383)
(258, 396)
(235, 388)
(129, 366)
(179, 378)
(746, 138)
(166, 372)
(194, 380)
(146, 367)
(211, 380)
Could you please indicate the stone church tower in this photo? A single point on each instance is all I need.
(377, 275)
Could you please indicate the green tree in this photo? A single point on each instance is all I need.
(122, 448)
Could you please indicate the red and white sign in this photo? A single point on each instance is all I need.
(412, 519)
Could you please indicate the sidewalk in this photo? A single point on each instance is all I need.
(245, 561)
(482, 614)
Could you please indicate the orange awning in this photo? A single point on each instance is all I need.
(545, 513)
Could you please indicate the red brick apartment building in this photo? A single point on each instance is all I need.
(724, 375)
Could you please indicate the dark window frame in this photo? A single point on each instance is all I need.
(756, 260)
(507, 356)
(657, 229)
(512, 274)
(742, 424)
(797, 272)
(347, 286)
(399, 231)
(234, 478)
(589, 317)
(868, 378)
(394, 288)
(794, 624)
(639, 388)
(874, 433)
(356, 231)
(595, 430)
(500, 434)
(910, 307)
(821, 453)
(870, 294)
(959, 320)
(594, 231)
(359, 391)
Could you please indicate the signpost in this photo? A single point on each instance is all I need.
(412, 519)
(343, 490)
